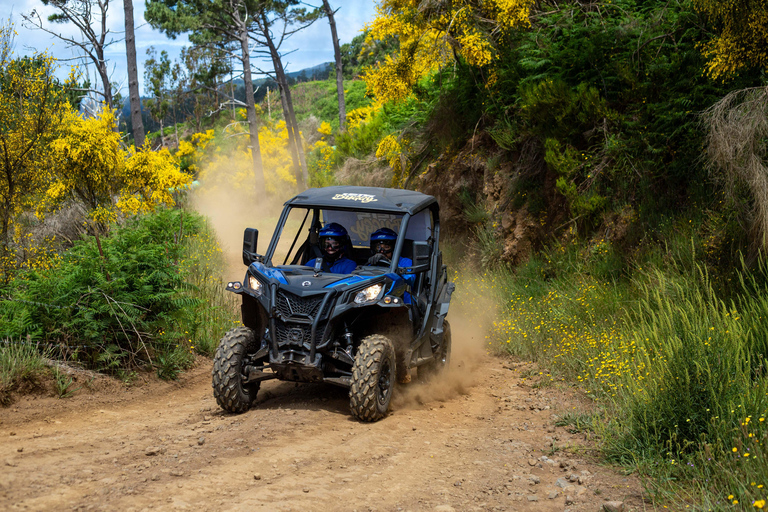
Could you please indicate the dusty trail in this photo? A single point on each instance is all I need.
(473, 440)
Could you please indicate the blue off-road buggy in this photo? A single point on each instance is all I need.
(363, 330)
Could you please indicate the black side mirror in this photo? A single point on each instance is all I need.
(250, 240)
(420, 253)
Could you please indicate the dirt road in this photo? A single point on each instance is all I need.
(482, 437)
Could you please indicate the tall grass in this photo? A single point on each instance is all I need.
(677, 367)
(217, 310)
(20, 362)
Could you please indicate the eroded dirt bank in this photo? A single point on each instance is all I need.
(480, 438)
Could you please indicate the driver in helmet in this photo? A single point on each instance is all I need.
(382, 244)
(334, 242)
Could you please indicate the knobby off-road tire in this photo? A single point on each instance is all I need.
(228, 388)
(442, 358)
(373, 378)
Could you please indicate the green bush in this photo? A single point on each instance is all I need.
(141, 297)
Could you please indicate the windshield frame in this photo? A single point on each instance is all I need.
(316, 211)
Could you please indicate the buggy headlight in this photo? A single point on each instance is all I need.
(369, 294)
(255, 285)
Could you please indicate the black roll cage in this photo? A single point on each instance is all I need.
(398, 245)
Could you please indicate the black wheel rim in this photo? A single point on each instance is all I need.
(385, 381)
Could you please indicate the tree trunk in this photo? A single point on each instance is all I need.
(339, 75)
(291, 137)
(175, 122)
(297, 135)
(302, 177)
(102, 70)
(133, 76)
(250, 108)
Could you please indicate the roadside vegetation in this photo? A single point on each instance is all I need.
(149, 298)
(629, 134)
(625, 139)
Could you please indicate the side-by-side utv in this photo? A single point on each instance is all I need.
(362, 330)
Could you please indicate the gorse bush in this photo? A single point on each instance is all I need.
(138, 298)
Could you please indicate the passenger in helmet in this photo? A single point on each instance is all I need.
(334, 243)
(382, 244)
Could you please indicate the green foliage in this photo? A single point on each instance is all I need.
(453, 102)
(674, 357)
(357, 55)
(319, 99)
(361, 140)
(576, 423)
(607, 98)
(140, 299)
(157, 73)
(553, 108)
(62, 383)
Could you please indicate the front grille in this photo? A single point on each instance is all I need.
(289, 333)
(292, 305)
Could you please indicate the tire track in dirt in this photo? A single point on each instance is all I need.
(471, 440)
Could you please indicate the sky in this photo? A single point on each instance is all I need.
(312, 46)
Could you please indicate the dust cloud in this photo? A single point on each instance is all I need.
(471, 317)
(230, 211)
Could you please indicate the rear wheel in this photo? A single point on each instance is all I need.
(442, 358)
(229, 389)
(373, 378)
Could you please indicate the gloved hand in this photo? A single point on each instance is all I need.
(377, 258)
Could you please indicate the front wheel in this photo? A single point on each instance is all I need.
(373, 378)
(229, 389)
(441, 359)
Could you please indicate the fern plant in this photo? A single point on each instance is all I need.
(130, 305)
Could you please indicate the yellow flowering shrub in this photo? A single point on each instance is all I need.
(226, 169)
(89, 163)
(150, 178)
(430, 35)
(395, 153)
(322, 159)
(31, 105)
(191, 151)
(742, 36)
(325, 129)
(360, 115)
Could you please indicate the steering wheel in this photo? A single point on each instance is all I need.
(382, 261)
